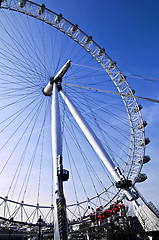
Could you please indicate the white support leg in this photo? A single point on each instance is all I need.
(60, 216)
(95, 142)
(56, 149)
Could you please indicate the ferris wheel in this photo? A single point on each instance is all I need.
(67, 115)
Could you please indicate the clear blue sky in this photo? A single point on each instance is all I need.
(128, 30)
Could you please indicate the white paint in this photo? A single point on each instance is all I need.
(56, 149)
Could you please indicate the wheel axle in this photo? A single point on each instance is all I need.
(57, 79)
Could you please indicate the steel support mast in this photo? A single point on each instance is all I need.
(121, 182)
(60, 175)
(57, 156)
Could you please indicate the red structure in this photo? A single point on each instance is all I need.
(99, 215)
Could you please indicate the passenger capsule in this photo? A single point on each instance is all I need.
(22, 3)
(74, 28)
(145, 159)
(142, 142)
(142, 125)
(100, 52)
(88, 40)
(112, 65)
(137, 109)
(41, 9)
(130, 93)
(58, 18)
(121, 79)
(147, 141)
(141, 178)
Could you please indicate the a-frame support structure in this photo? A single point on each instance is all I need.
(60, 175)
